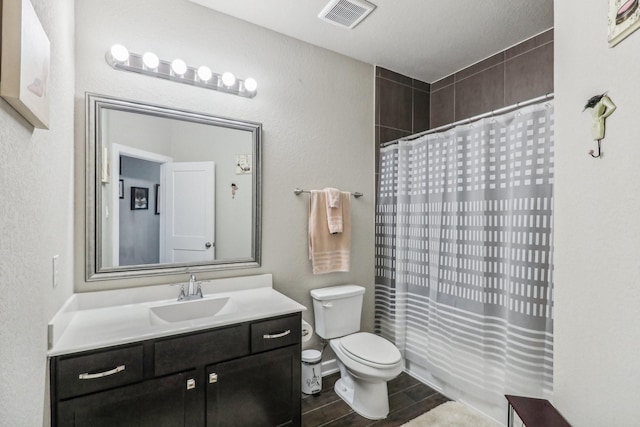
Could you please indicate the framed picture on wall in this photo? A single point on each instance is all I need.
(624, 19)
(121, 190)
(139, 198)
(24, 68)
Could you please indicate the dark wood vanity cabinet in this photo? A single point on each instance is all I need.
(255, 391)
(240, 375)
(156, 402)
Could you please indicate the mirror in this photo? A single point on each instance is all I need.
(169, 191)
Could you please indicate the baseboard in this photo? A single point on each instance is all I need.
(329, 367)
(424, 379)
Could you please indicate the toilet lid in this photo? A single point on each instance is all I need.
(370, 349)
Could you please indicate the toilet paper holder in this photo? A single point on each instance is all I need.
(307, 331)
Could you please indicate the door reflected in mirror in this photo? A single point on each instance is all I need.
(174, 190)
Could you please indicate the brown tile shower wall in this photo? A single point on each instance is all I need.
(517, 74)
(402, 105)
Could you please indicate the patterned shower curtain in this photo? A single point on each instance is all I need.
(464, 228)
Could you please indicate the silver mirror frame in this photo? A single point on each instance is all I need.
(93, 249)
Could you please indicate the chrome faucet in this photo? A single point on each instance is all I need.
(192, 282)
(194, 291)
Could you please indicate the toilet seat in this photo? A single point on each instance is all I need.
(370, 350)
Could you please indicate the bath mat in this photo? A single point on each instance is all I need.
(451, 414)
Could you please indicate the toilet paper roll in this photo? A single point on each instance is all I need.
(307, 331)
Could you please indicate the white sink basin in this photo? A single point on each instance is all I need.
(190, 310)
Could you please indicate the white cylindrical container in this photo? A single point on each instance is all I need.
(311, 372)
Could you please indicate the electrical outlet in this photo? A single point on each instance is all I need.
(55, 270)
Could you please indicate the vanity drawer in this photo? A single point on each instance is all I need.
(275, 333)
(98, 371)
(189, 351)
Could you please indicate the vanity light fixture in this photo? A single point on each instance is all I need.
(250, 84)
(204, 73)
(119, 54)
(119, 58)
(150, 61)
(178, 67)
(228, 79)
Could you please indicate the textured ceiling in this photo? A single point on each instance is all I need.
(424, 39)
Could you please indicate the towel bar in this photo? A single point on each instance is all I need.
(298, 191)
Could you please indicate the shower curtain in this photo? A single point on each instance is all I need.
(464, 222)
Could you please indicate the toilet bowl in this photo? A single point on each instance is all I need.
(366, 361)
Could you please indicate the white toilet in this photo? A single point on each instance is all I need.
(366, 361)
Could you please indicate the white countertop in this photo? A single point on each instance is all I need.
(101, 319)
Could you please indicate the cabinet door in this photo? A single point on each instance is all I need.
(154, 403)
(262, 390)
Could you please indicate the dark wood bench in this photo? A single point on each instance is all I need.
(534, 412)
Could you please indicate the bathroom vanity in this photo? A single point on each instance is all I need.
(121, 365)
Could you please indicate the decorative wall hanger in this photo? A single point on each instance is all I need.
(601, 107)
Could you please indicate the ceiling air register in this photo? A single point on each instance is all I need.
(346, 13)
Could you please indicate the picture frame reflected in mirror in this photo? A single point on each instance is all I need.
(139, 198)
(157, 199)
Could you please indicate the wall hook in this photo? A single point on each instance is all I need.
(591, 151)
(602, 107)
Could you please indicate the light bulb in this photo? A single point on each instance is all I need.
(178, 67)
(119, 53)
(228, 79)
(251, 84)
(150, 60)
(204, 73)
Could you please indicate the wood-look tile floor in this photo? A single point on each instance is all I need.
(408, 398)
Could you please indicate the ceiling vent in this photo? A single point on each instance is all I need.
(346, 13)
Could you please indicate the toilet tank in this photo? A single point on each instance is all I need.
(337, 310)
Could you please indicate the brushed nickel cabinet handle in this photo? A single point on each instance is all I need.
(88, 376)
(280, 335)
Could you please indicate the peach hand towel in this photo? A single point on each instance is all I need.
(329, 252)
(334, 210)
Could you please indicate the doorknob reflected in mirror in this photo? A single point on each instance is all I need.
(207, 245)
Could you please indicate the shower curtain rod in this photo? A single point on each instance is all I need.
(471, 119)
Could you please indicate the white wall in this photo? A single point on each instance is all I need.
(597, 262)
(141, 131)
(316, 108)
(36, 222)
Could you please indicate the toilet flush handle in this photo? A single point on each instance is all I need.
(327, 305)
